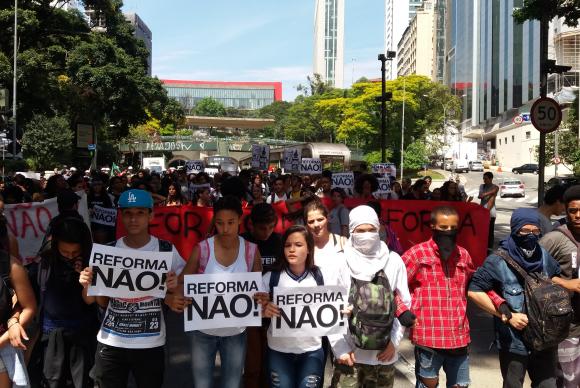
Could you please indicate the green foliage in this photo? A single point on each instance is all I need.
(548, 9)
(375, 156)
(47, 141)
(277, 111)
(416, 155)
(568, 146)
(209, 107)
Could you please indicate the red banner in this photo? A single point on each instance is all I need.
(185, 226)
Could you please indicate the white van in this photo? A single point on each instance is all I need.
(460, 165)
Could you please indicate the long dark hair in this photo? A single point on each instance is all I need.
(282, 263)
(75, 231)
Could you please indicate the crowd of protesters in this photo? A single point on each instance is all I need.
(74, 339)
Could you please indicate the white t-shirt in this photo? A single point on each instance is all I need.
(284, 197)
(137, 323)
(214, 267)
(331, 261)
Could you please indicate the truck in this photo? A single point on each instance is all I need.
(155, 164)
(461, 153)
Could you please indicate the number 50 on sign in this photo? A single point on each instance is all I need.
(546, 115)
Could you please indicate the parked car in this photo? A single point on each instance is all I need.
(531, 168)
(460, 165)
(513, 187)
(565, 181)
(475, 166)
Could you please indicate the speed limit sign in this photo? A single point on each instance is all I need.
(546, 115)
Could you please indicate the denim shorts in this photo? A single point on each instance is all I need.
(428, 363)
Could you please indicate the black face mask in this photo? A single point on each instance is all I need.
(445, 240)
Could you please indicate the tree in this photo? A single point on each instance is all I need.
(549, 9)
(47, 141)
(316, 86)
(568, 146)
(278, 111)
(209, 107)
(416, 155)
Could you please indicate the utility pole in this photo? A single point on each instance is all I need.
(15, 78)
(384, 97)
(403, 125)
(544, 29)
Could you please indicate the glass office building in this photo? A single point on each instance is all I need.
(240, 95)
(492, 62)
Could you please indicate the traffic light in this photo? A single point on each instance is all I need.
(552, 68)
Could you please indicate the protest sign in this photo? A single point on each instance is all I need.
(28, 222)
(128, 273)
(385, 169)
(292, 157)
(384, 187)
(222, 300)
(260, 156)
(310, 311)
(344, 180)
(104, 216)
(194, 166)
(311, 166)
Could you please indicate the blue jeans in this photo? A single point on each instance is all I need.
(232, 351)
(428, 363)
(289, 370)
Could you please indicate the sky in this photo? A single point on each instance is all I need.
(254, 40)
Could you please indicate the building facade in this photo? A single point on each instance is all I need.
(415, 49)
(143, 33)
(239, 95)
(329, 41)
(396, 21)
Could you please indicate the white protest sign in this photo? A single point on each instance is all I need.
(384, 169)
(194, 166)
(260, 156)
(222, 300)
(344, 180)
(310, 311)
(28, 222)
(104, 216)
(384, 187)
(292, 157)
(128, 273)
(311, 166)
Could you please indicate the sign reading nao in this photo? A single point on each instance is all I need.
(128, 273)
(310, 311)
(222, 300)
(384, 169)
(260, 156)
(384, 186)
(311, 166)
(292, 157)
(194, 166)
(344, 180)
(104, 216)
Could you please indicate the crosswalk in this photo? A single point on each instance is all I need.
(529, 199)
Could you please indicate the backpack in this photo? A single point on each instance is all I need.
(250, 250)
(548, 308)
(6, 290)
(275, 278)
(373, 312)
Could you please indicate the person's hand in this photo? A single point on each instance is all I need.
(518, 321)
(270, 311)
(347, 311)
(17, 333)
(171, 281)
(387, 354)
(573, 285)
(347, 359)
(86, 277)
(177, 302)
(263, 298)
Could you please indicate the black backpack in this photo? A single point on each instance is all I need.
(6, 290)
(547, 306)
(275, 278)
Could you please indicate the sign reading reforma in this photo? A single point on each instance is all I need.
(222, 300)
(384, 169)
(194, 166)
(128, 273)
(310, 311)
(260, 156)
(344, 180)
(311, 166)
(292, 157)
(104, 216)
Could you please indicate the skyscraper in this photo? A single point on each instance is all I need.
(143, 33)
(396, 21)
(329, 41)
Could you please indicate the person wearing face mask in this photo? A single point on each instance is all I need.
(438, 272)
(370, 264)
(515, 357)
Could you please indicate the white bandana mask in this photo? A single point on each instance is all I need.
(366, 243)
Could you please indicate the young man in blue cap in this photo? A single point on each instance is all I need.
(132, 335)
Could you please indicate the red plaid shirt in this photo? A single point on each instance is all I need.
(439, 295)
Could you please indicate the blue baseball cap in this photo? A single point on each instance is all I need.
(135, 198)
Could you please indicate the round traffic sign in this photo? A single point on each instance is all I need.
(557, 160)
(518, 120)
(546, 115)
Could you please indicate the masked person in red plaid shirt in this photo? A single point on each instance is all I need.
(439, 271)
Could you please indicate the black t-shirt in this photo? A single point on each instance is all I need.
(269, 249)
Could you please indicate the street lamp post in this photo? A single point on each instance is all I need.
(15, 78)
(383, 100)
(403, 126)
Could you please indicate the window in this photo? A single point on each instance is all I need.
(513, 138)
(505, 140)
(499, 141)
(528, 135)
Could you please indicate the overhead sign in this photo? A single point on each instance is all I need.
(546, 115)
(260, 156)
(292, 157)
(311, 166)
(222, 300)
(194, 166)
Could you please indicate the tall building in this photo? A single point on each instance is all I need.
(493, 66)
(329, 41)
(439, 44)
(415, 49)
(143, 33)
(564, 48)
(396, 21)
(414, 6)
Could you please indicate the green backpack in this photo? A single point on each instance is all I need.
(373, 312)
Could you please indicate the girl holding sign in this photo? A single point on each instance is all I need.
(294, 362)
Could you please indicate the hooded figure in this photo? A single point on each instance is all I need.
(525, 250)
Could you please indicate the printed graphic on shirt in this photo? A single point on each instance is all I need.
(133, 317)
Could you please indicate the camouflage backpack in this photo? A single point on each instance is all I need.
(373, 312)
